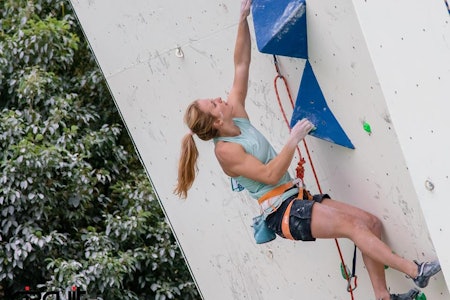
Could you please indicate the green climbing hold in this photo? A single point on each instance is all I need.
(421, 296)
(367, 128)
(343, 271)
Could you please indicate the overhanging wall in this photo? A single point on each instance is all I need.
(381, 62)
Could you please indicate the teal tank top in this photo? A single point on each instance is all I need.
(257, 145)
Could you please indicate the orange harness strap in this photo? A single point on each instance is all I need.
(275, 192)
(285, 223)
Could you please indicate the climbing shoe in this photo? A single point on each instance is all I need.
(426, 270)
(411, 295)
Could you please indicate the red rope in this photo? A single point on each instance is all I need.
(300, 170)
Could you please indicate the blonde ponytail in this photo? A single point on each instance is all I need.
(187, 165)
(201, 124)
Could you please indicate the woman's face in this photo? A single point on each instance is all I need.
(215, 107)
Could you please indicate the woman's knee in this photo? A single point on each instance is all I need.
(356, 217)
(375, 224)
(372, 223)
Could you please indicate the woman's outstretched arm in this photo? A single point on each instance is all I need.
(242, 54)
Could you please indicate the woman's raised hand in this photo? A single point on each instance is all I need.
(245, 8)
(300, 130)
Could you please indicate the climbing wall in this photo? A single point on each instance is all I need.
(383, 68)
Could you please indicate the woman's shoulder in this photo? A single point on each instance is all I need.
(224, 149)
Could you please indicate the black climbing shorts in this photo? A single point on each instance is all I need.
(299, 219)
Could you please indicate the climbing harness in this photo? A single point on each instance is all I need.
(300, 172)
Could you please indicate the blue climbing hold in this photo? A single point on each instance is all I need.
(280, 27)
(311, 104)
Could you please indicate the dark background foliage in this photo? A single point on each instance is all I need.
(76, 207)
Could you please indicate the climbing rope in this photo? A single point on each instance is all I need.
(300, 172)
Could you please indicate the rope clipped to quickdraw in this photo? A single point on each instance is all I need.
(300, 172)
(349, 275)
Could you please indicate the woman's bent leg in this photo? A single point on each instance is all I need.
(375, 269)
(332, 219)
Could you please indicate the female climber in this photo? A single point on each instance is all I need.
(245, 155)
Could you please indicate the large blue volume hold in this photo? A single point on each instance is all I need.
(311, 104)
(280, 27)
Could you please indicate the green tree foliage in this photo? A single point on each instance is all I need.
(76, 207)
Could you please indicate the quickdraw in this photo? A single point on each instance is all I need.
(349, 275)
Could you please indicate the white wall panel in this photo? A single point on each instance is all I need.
(382, 62)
